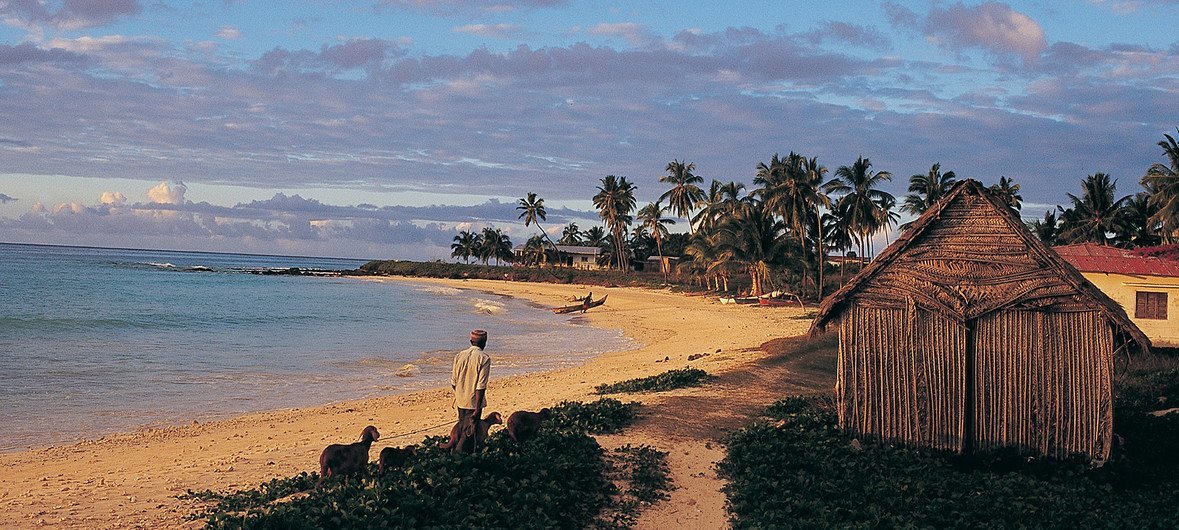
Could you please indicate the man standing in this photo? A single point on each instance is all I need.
(468, 378)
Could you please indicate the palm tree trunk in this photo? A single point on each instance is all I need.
(659, 247)
(819, 253)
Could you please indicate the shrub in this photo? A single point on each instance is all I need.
(669, 380)
(558, 479)
(801, 472)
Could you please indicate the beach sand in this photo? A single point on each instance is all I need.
(131, 480)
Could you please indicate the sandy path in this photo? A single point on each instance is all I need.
(131, 480)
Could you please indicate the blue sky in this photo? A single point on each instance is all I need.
(378, 128)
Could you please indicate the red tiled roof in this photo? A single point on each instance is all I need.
(1091, 257)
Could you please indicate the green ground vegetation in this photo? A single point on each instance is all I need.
(799, 471)
(561, 478)
(669, 380)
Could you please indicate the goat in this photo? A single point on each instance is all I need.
(346, 459)
(395, 457)
(470, 435)
(523, 424)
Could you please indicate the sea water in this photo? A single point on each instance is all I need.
(95, 341)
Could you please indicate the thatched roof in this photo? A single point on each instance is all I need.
(967, 256)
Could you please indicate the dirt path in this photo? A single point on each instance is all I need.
(691, 424)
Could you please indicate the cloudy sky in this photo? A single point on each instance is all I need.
(377, 128)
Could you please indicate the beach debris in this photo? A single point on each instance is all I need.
(695, 356)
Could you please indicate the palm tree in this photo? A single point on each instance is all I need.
(570, 235)
(615, 201)
(654, 224)
(1138, 231)
(860, 203)
(1162, 183)
(532, 211)
(710, 208)
(925, 190)
(1047, 230)
(812, 174)
(534, 250)
(1007, 190)
(753, 239)
(464, 246)
(685, 193)
(1096, 214)
(494, 244)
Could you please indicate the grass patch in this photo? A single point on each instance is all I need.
(669, 380)
(561, 478)
(642, 477)
(801, 472)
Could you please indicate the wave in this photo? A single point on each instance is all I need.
(160, 265)
(490, 307)
(439, 290)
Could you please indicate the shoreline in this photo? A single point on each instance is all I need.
(131, 479)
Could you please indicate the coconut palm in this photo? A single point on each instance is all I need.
(655, 225)
(1162, 182)
(754, 240)
(1095, 216)
(925, 190)
(1008, 191)
(710, 208)
(494, 244)
(1047, 230)
(570, 235)
(615, 201)
(812, 174)
(534, 251)
(1137, 230)
(860, 202)
(685, 192)
(464, 246)
(532, 211)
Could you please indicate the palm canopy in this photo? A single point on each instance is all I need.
(1008, 190)
(532, 211)
(615, 201)
(1095, 215)
(653, 222)
(685, 193)
(925, 190)
(570, 235)
(464, 246)
(1162, 182)
(861, 203)
(753, 239)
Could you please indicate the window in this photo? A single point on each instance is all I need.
(1151, 305)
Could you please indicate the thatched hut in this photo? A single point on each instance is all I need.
(968, 333)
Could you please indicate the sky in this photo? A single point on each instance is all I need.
(380, 128)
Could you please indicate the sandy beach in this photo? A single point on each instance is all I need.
(131, 480)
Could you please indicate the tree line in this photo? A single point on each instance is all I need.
(783, 232)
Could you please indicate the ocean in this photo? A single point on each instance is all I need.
(95, 341)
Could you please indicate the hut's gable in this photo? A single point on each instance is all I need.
(969, 263)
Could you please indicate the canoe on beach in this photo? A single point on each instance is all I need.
(580, 307)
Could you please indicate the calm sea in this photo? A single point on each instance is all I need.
(95, 341)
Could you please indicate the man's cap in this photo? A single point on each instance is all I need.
(478, 334)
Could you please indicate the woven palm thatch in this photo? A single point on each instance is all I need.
(968, 333)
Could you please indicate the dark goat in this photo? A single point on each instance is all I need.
(470, 435)
(395, 457)
(346, 459)
(523, 424)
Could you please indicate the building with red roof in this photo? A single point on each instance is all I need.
(1147, 287)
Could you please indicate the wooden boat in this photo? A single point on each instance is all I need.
(738, 300)
(771, 301)
(580, 307)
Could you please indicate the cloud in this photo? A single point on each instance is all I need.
(991, 26)
(114, 198)
(69, 14)
(464, 7)
(856, 35)
(167, 193)
(634, 34)
(27, 52)
(229, 33)
(5, 199)
(492, 31)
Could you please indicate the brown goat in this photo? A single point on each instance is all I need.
(347, 459)
(470, 435)
(523, 425)
(395, 458)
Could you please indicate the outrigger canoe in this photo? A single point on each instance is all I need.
(580, 307)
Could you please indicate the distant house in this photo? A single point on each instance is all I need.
(578, 257)
(573, 256)
(967, 333)
(1146, 287)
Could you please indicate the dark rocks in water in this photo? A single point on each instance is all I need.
(294, 271)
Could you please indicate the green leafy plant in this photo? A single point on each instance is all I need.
(560, 478)
(643, 478)
(669, 380)
(800, 471)
(604, 416)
